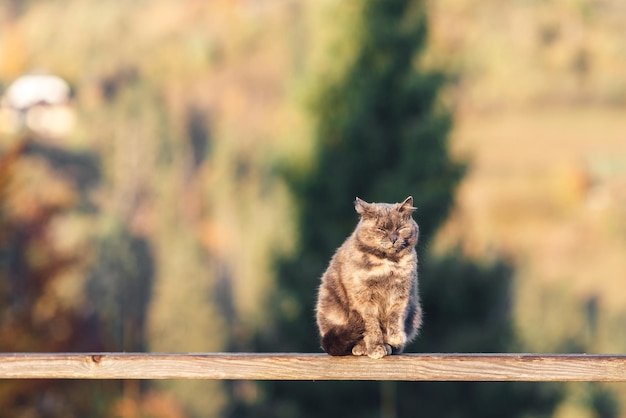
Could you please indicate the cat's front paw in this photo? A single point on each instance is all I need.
(396, 340)
(379, 351)
(359, 349)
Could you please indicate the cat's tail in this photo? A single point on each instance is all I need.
(338, 341)
(335, 343)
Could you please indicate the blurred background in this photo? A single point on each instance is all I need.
(176, 174)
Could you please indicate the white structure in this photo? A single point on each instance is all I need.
(39, 102)
(31, 90)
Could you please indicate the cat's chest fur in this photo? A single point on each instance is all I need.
(367, 266)
(371, 274)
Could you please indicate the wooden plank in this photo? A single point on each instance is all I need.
(248, 366)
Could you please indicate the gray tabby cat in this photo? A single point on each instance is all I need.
(368, 302)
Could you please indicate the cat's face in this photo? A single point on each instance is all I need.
(387, 226)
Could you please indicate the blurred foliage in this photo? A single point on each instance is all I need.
(33, 317)
(529, 54)
(177, 229)
(194, 165)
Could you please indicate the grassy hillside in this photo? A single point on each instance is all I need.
(544, 134)
(540, 102)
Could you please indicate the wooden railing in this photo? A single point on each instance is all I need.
(235, 366)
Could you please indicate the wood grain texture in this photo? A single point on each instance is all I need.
(248, 366)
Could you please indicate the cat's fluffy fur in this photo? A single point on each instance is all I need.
(368, 301)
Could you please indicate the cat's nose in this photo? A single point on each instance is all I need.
(394, 237)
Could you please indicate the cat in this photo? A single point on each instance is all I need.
(368, 301)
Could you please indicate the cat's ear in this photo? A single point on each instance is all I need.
(361, 206)
(407, 205)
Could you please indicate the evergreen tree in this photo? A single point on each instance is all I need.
(381, 134)
(467, 309)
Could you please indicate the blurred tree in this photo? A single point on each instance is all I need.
(119, 289)
(33, 317)
(468, 309)
(381, 134)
